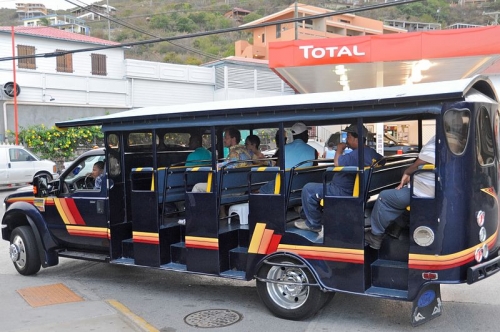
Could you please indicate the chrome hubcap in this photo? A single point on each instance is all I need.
(288, 296)
(17, 252)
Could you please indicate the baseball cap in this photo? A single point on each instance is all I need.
(298, 128)
(353, 128)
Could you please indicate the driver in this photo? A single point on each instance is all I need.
(98, 174)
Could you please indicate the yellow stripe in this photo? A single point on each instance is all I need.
(87, 228)
(256, 238)
(321, 249)
(438, 258)
(428, 166)
(140, 322)
(139, 169)
(153, 182)
(355, 191)
(203, 239)
(209, 183)
(262, 168)
(277, 184)
(60, 209)
(145, 234)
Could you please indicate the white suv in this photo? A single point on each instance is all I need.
(18, 166)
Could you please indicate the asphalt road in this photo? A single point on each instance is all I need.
(163, 299)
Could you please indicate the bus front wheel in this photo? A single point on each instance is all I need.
(284, 285)
(23, 251)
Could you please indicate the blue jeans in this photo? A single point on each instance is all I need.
(312, 194)
(389, 206)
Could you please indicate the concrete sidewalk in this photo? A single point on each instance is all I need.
(85, 312)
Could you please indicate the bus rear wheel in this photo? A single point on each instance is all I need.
(284, 287)
(23, 251)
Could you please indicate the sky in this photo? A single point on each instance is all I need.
(50, 4)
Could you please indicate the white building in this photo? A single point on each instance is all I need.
(101, 81)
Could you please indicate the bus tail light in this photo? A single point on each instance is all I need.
(480, 218)
(430, 276)
(486, 251)
(479, 255)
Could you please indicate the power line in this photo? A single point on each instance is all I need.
(213, 32)
(135, 28)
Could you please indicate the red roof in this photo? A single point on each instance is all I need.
(53, 33)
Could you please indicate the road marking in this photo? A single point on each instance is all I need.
(139, 321)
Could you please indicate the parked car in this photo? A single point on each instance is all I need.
(18, 166)
(392, 145)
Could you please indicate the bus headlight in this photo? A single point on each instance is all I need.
(423, 236)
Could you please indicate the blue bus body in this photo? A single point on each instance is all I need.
(148, 215)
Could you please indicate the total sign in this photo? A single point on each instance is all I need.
(330, 51)
(320, 51)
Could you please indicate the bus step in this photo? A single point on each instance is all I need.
(128, 248)
(233, 274)
(178, 252)
(390, 274)
(238, 258)
(395, 249)
(387, 292)
(85, 256)
(174, 266)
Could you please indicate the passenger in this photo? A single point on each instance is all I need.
(392, 203)
(341, 185)
(98, 174)
(276, 153)
(330, 152)
(232, 138)
(252, 143)
(295, 153)
(200, 155)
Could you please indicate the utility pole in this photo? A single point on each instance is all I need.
(296, 23)
(109, 21)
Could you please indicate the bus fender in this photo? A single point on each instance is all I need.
(301, 262)
(23, 213)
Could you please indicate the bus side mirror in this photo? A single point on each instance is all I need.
(41, 186)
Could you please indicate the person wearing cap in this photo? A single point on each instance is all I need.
(342, 184)
(295, 153)
(392, 203)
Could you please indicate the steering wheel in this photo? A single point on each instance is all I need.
(88, 182)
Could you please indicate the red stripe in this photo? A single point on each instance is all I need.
(197, 246)
(77, 217)
(273, 245)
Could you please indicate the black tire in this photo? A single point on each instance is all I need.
(48, 175)
(24, 251)
(290, 301)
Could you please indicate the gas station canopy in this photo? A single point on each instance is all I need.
(349, 63)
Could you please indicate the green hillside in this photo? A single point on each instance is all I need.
(138, 20)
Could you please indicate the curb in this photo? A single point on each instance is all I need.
(138, 321)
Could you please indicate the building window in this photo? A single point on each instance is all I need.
(64, 62)
(278, 30)
(263, 38)
(98, 64)
(27, 63)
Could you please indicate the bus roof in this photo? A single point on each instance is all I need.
(386, 101)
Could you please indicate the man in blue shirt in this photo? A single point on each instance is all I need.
(342, 184)
(295, 153)
(200, 155)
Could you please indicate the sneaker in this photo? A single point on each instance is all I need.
(374, 241)
(301, 224)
